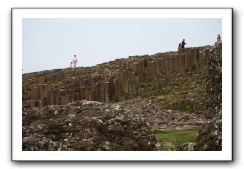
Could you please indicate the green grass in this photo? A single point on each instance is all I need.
(182, 92)
(176, 137)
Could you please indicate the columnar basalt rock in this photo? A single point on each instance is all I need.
(107, 82)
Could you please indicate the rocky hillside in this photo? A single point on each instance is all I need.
(181, 92)
(61, 110)
(107, 82)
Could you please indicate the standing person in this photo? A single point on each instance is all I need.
(219, 40)
(179, 46)
(182, 46)
(74, 61)
(183, 43)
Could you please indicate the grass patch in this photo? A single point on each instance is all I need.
(176, 137)
(182, 92)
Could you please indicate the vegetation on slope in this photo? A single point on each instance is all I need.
(182, 92)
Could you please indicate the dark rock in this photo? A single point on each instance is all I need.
(104, 127)
(210, 135)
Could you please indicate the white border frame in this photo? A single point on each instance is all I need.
(18, 155)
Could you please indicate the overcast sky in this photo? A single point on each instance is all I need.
(51, 43)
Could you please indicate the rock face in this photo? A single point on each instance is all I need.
(107, 82)
(186, 147)
(91, 125)
(159, 118)
(117, 105)
(85, 125)
(210, 136)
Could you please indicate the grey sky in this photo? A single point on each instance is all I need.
(51, 43)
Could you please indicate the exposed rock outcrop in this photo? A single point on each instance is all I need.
(91, 125)
(106, 82)
(117, 105)
(86, 125)
(210, 136)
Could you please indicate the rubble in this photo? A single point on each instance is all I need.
(86, 126)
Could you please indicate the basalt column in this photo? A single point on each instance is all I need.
(106, 91)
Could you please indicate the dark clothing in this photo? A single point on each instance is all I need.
(183, 43)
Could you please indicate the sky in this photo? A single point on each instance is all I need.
(52, 43)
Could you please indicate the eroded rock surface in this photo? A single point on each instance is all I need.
(131, 98)
(210, 136)
(86, 125)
